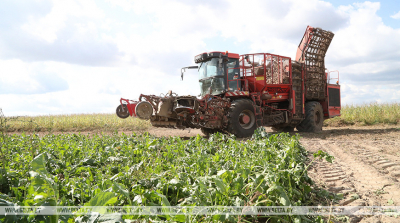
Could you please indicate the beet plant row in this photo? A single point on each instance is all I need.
(142, 170)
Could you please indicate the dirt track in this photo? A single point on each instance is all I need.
(366, 168)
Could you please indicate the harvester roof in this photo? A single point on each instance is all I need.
(215, 54)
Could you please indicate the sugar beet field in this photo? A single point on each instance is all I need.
(353, 162)
(142, 170)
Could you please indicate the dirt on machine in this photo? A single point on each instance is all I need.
(242, 92)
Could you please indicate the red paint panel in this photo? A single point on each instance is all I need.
(279, 97)
(334, 110)
(130, 104)
(131, 108)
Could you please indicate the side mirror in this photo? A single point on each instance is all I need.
(183, 70)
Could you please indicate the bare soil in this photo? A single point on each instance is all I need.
(366, 168)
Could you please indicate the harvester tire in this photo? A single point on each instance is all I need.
(314, 118)
(242, 120)
(283, 129)
(207, 132)
(122, 113)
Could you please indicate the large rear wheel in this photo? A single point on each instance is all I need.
(314, 118)
(242, 120)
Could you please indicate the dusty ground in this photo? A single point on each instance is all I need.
(366, 168)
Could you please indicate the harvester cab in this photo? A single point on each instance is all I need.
(216, 69)
(239, 93)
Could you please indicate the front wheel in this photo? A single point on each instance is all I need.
(242, 120)
(314, 118)
(122, 112)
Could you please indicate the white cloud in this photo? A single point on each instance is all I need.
(364, 94)
(179, 30)
(47, 27)
(21, 78)
(365, 52)
(90, 89)
(69, 31)
(366, 38)
(396, 16)
(133, 47)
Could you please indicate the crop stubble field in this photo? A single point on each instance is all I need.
(361, 115)
(365, 171)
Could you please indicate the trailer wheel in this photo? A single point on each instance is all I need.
(283, 129)
(314, 118)
(122, 113)
(242, 120)
(207, 132)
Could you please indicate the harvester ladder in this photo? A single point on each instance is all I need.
(257, 109)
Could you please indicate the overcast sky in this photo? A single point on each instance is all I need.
(64, 57)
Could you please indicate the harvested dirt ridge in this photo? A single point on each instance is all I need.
(366, 168)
